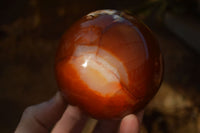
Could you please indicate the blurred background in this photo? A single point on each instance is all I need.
(29, 35)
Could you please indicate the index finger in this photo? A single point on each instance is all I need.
(42, 117)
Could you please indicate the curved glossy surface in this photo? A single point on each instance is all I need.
(109, 64)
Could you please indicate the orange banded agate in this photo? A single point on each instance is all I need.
(109, 64)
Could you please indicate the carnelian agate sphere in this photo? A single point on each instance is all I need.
(109, 64)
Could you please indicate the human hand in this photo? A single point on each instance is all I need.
(57, 116)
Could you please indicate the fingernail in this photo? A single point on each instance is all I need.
(54, 98)
(140, 116)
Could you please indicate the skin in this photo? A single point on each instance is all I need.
(56, 116)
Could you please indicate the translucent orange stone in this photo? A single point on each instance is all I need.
(109, 64)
